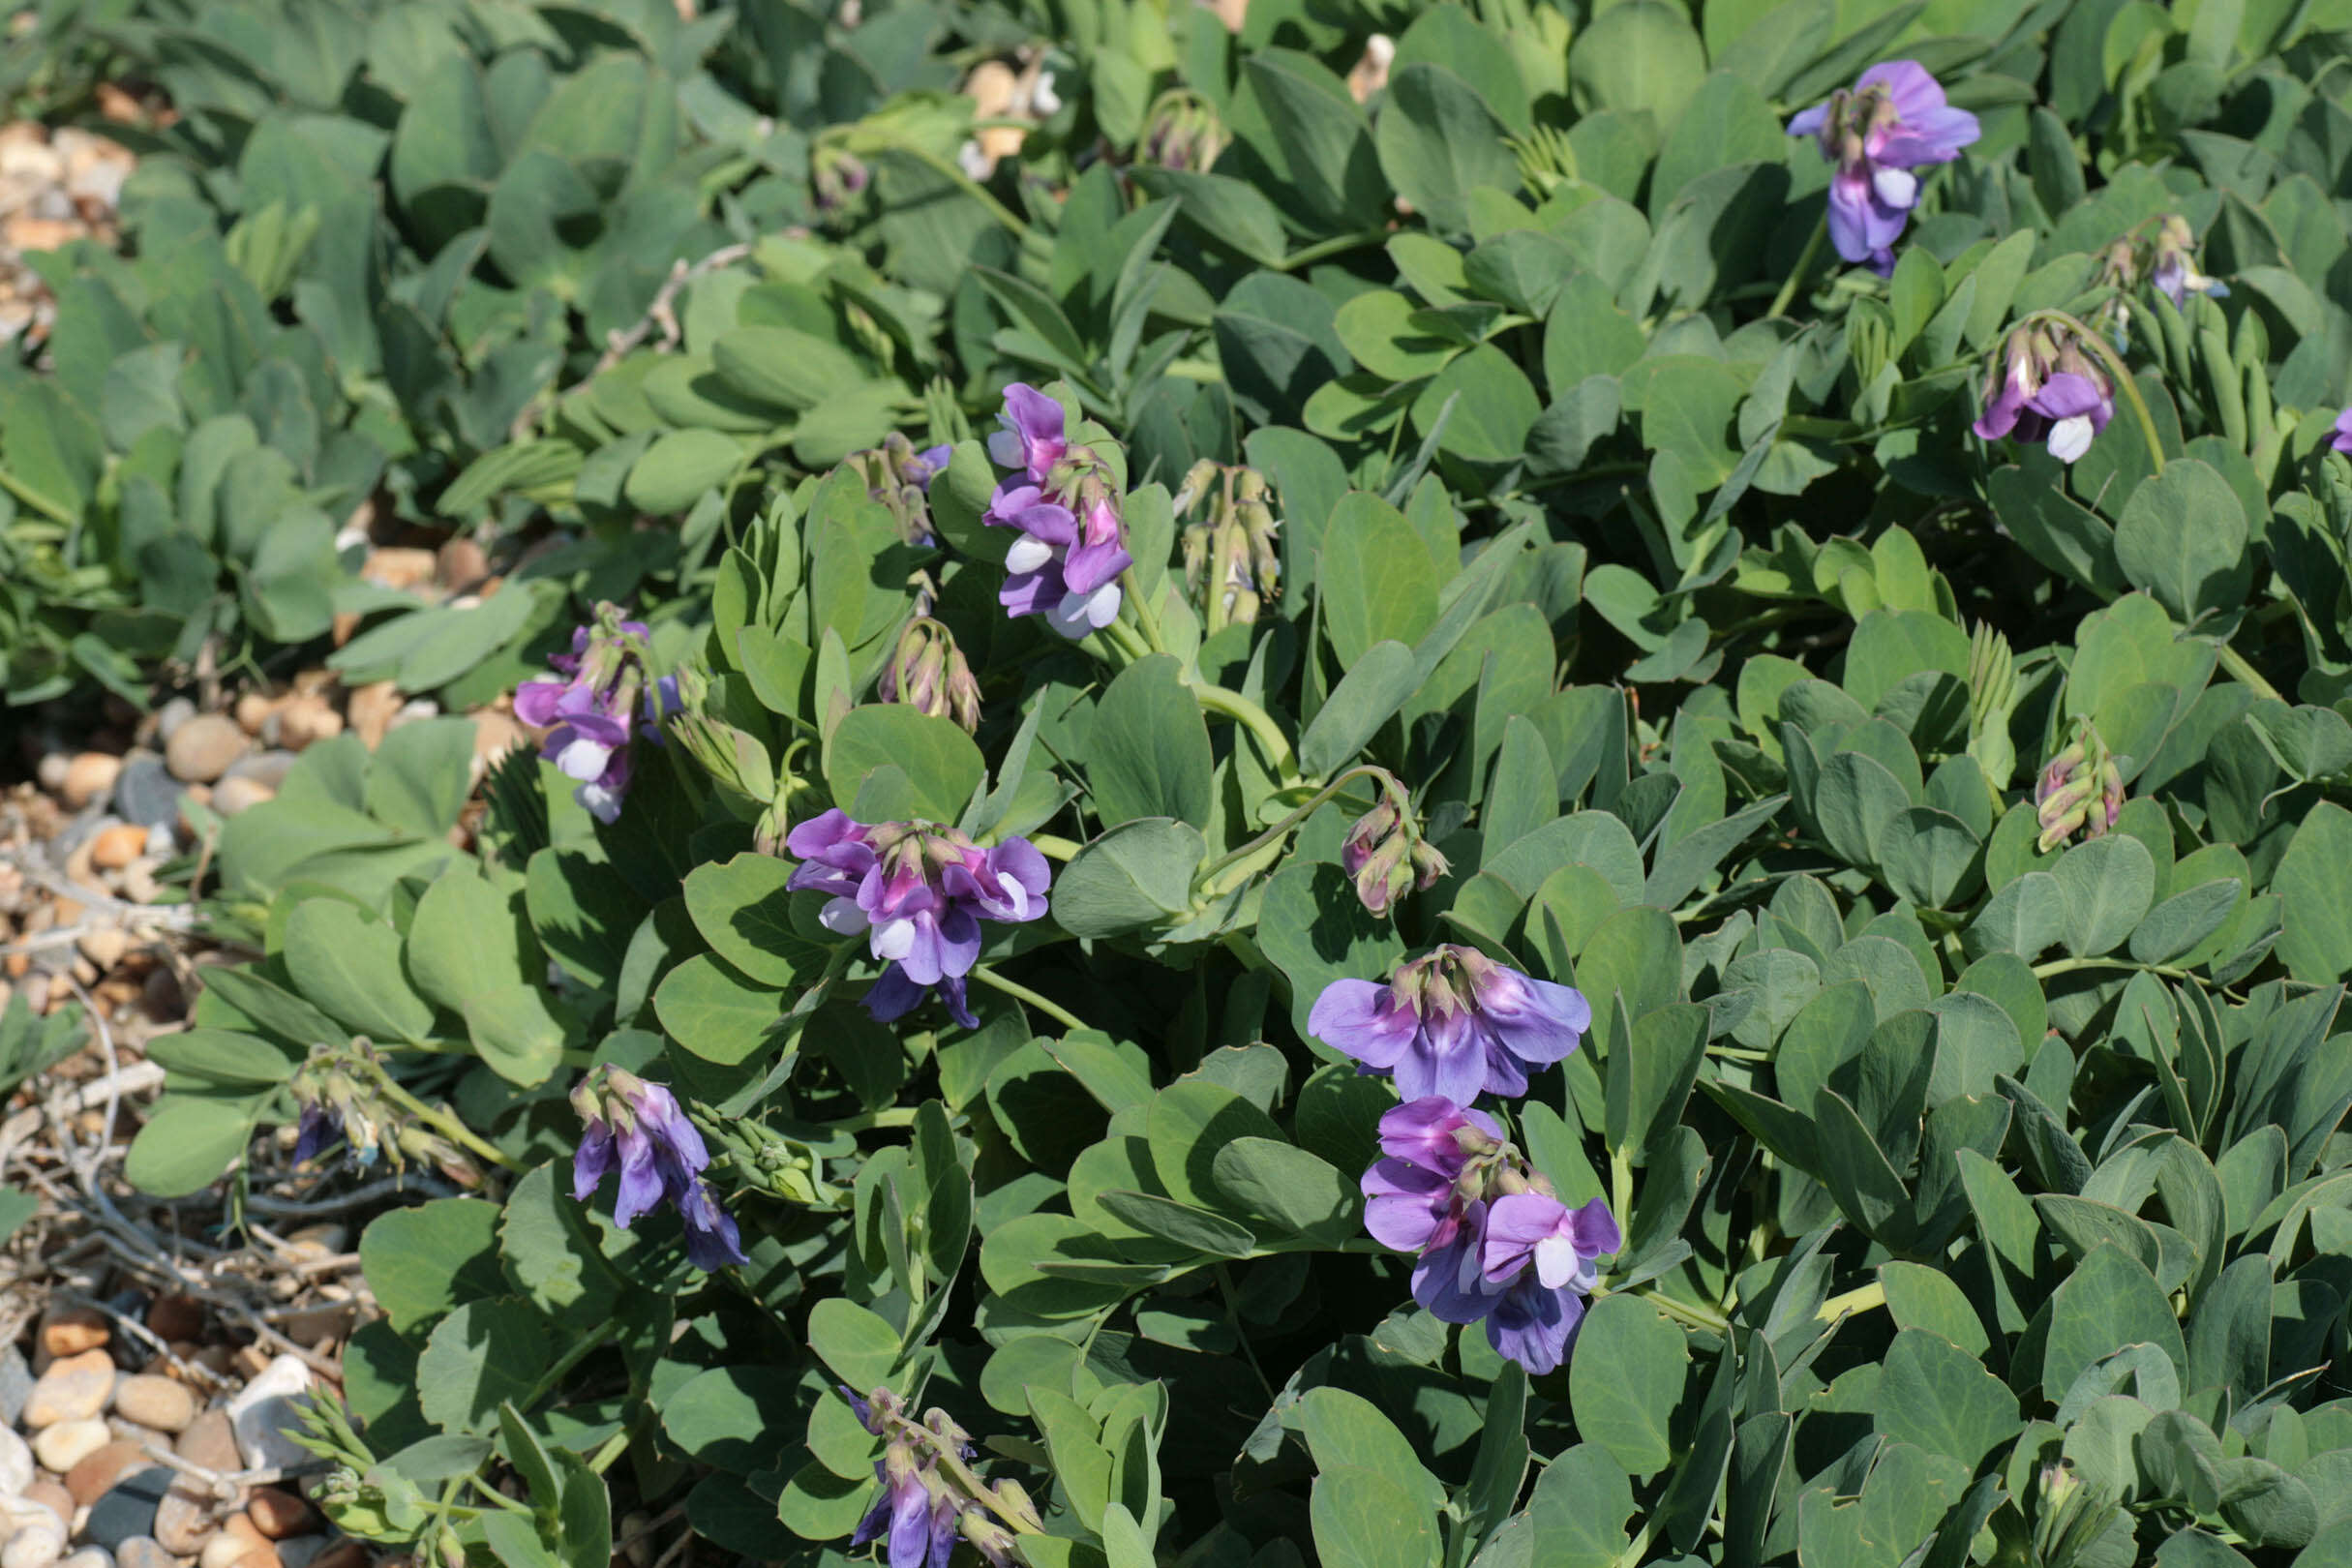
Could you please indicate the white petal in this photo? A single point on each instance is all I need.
(600, 803)
(1896, 187)
(979, 166)
(1103, 606)
(1028, 553)
(843, 917)
(1042, 98)
(893, 939)
(1017, 895)
(2071, 438)
(1555, 1261)
(584, 760)
(1068, 617)
(1004, 449)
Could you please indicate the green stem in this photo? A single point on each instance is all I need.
(1621, 1187)
(1021, 993)
(1696, 1316)
(971, 188)
(34, 498)
(2069, 966)
(867, 1121)
(1225, 1288)
(1734, 1053)
(2244, 673)
(1257, 720)
(1796, 275)
(1321, 250)
(440, 1121)
(2121, 373)
(614, 1447)
(1053, 846)
(1314, 803)
(577, 1352)
(1122, 636)
(1147, 620)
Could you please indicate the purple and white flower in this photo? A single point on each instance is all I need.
(1544, 1257)
(1073, 548)
(602, 700)
(639, 1128)
(904, 1514)
(918, 890)
(2175, 273)
(1893, 120)
(2048, 392)
(1454, 1024)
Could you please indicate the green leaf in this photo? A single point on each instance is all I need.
(715, 1010)
(2108, 884)
(735, 1417)
(350, 965)
(1182, 1223)
(463, 942)
(2316, 945)
(2181, 536)
(1364, 1519)
(858, 1345)
(514, 1031)
(1148, 752)
(1641, 56)
(1139, 874)
(1487, 402)
(1936, 1394)
(1579, 1507)
(1376, 686)
(2108, 1302)
(1373, 580)
(937, 757)
(188, 1143)
(742, 909)
(425, 1261)
(1269, 1180)
(1626, 1380)
(1439, 142)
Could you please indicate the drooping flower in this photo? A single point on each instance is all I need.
(603, 699)
(1453, 1023)
(2081, 789)
(2342, 441)
(1233, 552)
(2175, 273)
(1541, 1255)
(899, 476)
(920, 891)
(1384, 854)
(902, 1512)
(929, 674)
(318, 1131)
(1894, 119)
(641, 1128)
(1065, 565)
(2049, 391)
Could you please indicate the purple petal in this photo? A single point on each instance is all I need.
(1090, 565)
(712, 1241)
(2341, 441)
(591, 1161)
(1356, 1016)
(536, 702)
(1534, 1326)
(891, 996)
(1809, 122)
(641, 1183)
(2064, 395)
(952, 996)
(1029, 593)
(1594, 1229)
(1448, 1058)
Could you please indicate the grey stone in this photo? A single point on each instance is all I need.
(301, 1551)
(171, 716)
(265, 768)
(128, 1508)
(145, 792)
(15, 1385)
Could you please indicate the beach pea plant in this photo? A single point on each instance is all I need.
(1392, 830)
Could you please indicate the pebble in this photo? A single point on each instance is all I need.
(223, 1549)
(254, 709)
(36, 1546)
(183, 1519)
(118, 846)
(265, 768)
(371, 708)
(49, 1495)
(343, 1554)
(210, 1441)
(72, 1330)
(141, 1552)
(278, 1513)
(128, 1508)
(176, 1317)
(88, 777)
(306, 719)
(52, 771)
(260, 1552)
(155, 1401)
(105, 945)
(100, 1469)
(203, 749)
(235, 796)
(16, 1463)
(172, 716)
(72, 1389)
(146, 793)
(301, 1551)
(460, 565)
(92, 1557)
(264, 1408)
(15, 1386)
(66, 1443)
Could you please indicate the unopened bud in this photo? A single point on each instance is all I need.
(929, 674)
(1015, 1501)
(991, 1540)
(1428, 865)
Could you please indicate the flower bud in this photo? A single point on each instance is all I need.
(1015, 1501)
(929, 674)
(991, 1540)
(2081, 789)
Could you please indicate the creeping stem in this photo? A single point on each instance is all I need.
(1796, 274)
(1250, 716)
(1021, 993)
(1308, 808)
(440, 1121)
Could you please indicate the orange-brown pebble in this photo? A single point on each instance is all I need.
(118, 846)
(89, 777)
(88, 1480)
(176, 1317)
(278, 1513)
(260, 1552)
(342, 1554)
(72, 1330)
(370, 709)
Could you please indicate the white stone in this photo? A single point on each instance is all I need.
(264, 1410)
(36, 1546)
(90, 1557)
(223, 1549)
(15, 1465)
(69, 1442)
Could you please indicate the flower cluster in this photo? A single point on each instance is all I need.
(900, 477)
(929, 674)
(1065, 565)
(1182, 133)
(1893, 121)
(345, 1103)
(1233, 558)
(604, 697)
(1494, 1242)
(1385, 854)
(2081, 789)
(2045, 389)
(930, 1497)
(920, 891)
(640, 1127)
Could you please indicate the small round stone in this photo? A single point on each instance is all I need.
(202, 749)
(73, 1330)
(210, 1441)
(223, 1549)
(74, 1388)
(237, 796)
(66, 1444)
(155, 1402)
(100, 1468)
(92, 1557)
(35, 1546)
(15, 1465)
(172, 718)
(176, 1317)
(184, 1520)
(88, 777)
(140, 1552)
(278, 1513)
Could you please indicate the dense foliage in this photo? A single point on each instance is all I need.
(1783, 690)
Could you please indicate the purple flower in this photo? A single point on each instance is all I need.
(1031, 439)
(639, 1128)
(592, 712)
(1540, 1255)
(1894, 119)
(320, 1130)
(2048, 393)
(919, 891)
(2342, 441)
(2175, 273)
(1065, 565)
(1454, 1024)
(903, 1511)
(1437, 1134)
